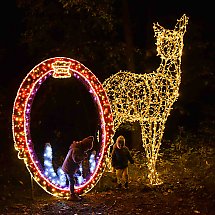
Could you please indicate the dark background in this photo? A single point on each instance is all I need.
(106, 37)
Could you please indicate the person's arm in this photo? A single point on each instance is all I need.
(113, 158)
(77, 155)
(130, 157)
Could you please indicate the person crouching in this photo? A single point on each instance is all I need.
(76, 154)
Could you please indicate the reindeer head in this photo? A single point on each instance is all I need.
(170, 42)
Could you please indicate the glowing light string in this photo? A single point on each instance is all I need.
(59, 178)
(59, 67)
(148, 98)
(92, 162)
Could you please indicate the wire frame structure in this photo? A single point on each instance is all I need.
(148, 98)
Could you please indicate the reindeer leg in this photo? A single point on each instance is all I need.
(151, 137)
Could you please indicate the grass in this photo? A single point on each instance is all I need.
(180, 164)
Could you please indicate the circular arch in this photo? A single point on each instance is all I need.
(58, 67)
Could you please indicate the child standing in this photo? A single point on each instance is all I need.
(120, 157)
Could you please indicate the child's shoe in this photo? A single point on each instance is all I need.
(74, 197)
(126, 185)
(119, 186)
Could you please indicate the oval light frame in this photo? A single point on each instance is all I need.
(58, 67)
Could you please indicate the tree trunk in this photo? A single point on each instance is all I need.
(128, 36)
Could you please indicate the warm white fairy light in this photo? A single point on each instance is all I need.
(61, 69)
(148, 98)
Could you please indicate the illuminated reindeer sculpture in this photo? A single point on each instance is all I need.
(148, 98)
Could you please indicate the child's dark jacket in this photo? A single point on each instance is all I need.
(120, 157)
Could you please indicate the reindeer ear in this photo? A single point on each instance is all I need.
(157, 29)
(181, 24)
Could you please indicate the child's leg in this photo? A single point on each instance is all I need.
(114, 175)
(119, 176)
(73, 195)
(71, 184)
(125, 177)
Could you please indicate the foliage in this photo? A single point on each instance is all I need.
(77, 29)
(190, 160)
(181, 165)
(103, 11)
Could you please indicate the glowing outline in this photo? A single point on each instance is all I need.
(21, 118)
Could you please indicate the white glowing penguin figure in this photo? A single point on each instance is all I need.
(92, 162)
(60, 178)
(49, 170)
(79, 175)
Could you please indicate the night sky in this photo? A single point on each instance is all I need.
(15, 63)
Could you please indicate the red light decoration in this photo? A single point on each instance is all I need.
(58, 67)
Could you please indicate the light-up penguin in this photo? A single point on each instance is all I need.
(58, 178)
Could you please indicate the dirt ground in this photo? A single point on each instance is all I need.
(135, 200)
(132, 201)
(188, 188)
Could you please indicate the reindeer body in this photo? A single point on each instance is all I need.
(148, 98)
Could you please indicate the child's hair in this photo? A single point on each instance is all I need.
(120, 140)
